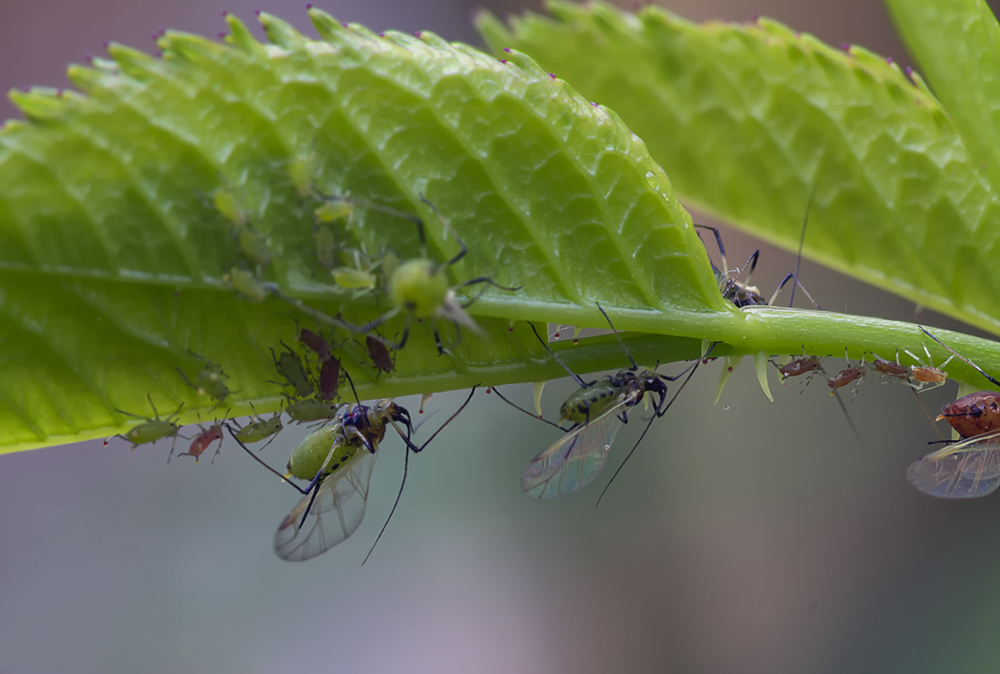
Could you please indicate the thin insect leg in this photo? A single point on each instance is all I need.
(718, 240)
(441, 428)
(572, 374)
(802, 240)
(262, 462)
(448, 229)
(173, 446)
(656, 414)
(266, 444)
(218, 450)
(530, 414)
(752, 263)
(927, 414)
(682, 372)
(635, 366)
(784, 281)
(961, 357)
(416, 219)
(155, 413)
(487, 280)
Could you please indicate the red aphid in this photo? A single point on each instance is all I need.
(974, 414)
(329, 378)
(845, 377)
(890, 368)
(203, 440)
(379, 354)
(315, 342)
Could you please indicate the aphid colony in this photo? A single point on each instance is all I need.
(337, 458)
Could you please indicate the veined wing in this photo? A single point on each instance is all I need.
(968, 469)
(574, 460)
(336, 512)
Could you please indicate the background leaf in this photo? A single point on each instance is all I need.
(749, 119)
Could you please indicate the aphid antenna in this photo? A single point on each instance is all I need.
(722, 250)
(798, 258)
(656, 414)
(406, 463)
(572, 374)
(628, 355)
(960, 357)
(530, 414)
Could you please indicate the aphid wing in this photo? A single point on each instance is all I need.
(336, 513)
(573, 461)
(968, 474)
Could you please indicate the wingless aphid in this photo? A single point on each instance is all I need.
(851, 373)
(151, 430)
(290, 366)
(204, 440)
(253, 244)
(925, 376)
(210, 380)
(258, 429)
(338, 460)
(310, 409)
(597, 411)
(418, 287)
(379, 354)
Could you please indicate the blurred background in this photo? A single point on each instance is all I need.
(746, 536)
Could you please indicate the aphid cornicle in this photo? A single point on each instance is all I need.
(338, 460)
(418, 287)
(597, 410)
(152, 429)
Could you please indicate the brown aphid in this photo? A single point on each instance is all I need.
(847, 375)
(974, 414)
(329, 378)
(379, 354)
(891, 369)
(800, 366)
(925, 375)
(315, 342)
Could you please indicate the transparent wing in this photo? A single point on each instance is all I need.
(335, 514)
(968, 469)
(574, 460)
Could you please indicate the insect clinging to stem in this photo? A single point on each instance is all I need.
(152, 429)
(204, 440)
(418, 287)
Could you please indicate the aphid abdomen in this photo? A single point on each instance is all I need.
(587, 404)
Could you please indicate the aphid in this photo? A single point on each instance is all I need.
(742, 294)
(795, 368)
(151, 430)
(246, 284)
(210, 380)
(338, 460)
(329, 378)
(967, 469)
(310, 409)
(258, 429)
(301, 169)
(204, 440)
(891, 369)
(324, 232)
(379, 354)
(252, 243)
(291, 367)
(925, 376)
(597, 410)
(315, 342)
(227, 203)
(419, 287)
(849, 374)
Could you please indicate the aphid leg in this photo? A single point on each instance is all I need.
(798, 258)
(530, 414)
(406, 463)
(656, 414)
(463, 250)
(617, 336)
(572, 374)
(488, 281)
(722, 249)
(262, 462)
(752, 264)
(781, 286)
(960, 357)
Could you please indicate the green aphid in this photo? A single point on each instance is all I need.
(331, 211)
(310, 409)
(301, 170)
(254, 245)
(153, 429)
(259, 428)
(325, 240)
(246, 284)
(291, 367)
(229, 206)
(210, 380)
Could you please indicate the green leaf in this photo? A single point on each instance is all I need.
(748, 119)
(112, 254)
(956, 43)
